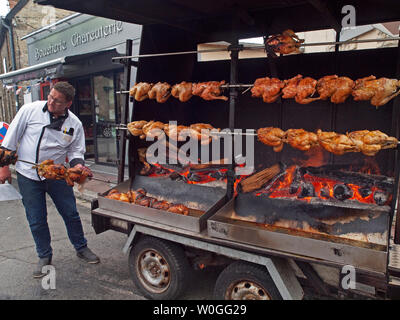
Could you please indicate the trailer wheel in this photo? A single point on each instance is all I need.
(159, 268)
(245, 281)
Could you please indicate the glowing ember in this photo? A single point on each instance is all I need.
(323, 188)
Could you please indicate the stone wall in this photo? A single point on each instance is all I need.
(30, 18)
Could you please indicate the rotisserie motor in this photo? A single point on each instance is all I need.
(139, 197)
(7, 157)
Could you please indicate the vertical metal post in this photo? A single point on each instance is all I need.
(233, 96)
(396, 133)
(125, 110)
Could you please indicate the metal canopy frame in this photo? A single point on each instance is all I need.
(211, 19)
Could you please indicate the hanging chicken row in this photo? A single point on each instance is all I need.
(365, 141)
(302, 89)
(145, 129)
(183, 91)
(139, 197)
(337, 89)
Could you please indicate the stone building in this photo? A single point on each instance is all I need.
(23, 18)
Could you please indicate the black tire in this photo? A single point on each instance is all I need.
(245, 281)
(159, 268)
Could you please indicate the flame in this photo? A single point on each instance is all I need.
(281, 188)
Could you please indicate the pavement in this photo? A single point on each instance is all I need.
(75, 279)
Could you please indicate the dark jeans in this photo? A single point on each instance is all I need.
(34, 200)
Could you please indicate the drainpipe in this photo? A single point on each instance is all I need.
(13, 63)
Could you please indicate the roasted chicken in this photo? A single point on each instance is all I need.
(371, 142)
(136, 127)
(273, 137)
(182, 91)
(301, 139)
(161, 91)
(49, 170)
(152, 129)
(290, 89)
(210, 90)
(140, 198)
(284, 43)
(305, 89)
(267, 88)
(336, 143)
(140, 91)
(379, 91)
(7, 157)
(338, 89)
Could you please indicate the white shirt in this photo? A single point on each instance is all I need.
(36, 139)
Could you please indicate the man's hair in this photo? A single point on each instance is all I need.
(66, 89)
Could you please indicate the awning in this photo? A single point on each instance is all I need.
(54, 68)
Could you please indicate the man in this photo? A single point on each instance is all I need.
(48, 130)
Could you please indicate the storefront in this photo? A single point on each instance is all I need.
(79, 49)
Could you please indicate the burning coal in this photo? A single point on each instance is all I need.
(328, 183)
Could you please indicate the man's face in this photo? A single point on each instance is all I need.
(56, 103)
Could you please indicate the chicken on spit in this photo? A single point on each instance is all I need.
(334, 87)
(379, 91)
(301, 139)
(7, 157)
(267, 88)
(273, 137)
(49, 170)
(182, 91)
(305, 89)
(290, 89)
(136, 127)
(210, 90)
(284, 43)
(336, 143)
(371, 142)
(161, 91)
(140, 91)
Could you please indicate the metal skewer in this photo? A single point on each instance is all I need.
(255, 47)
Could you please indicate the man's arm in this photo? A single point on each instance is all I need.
(76, 152)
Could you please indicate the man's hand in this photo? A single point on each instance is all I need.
(5, 174)
(85, 170)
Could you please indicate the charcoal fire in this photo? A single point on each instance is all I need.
(329, 184)
(342, 192)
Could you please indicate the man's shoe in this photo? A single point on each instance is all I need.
(87, 255)
(42, 262)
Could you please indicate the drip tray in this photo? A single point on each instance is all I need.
(226, 224)
(202, 202)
